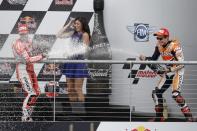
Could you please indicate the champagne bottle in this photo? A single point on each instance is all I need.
(100, 74)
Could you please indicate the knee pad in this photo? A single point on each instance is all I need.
(32, 100)
(178, 98)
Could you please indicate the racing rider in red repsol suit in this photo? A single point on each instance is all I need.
(169, 50)
(25, 70)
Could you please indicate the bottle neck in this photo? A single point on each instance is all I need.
(98, 23)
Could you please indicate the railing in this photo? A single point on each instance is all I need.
(122, 99)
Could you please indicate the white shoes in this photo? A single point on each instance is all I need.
(27, 114)
(26, 119)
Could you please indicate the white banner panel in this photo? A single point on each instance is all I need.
(147, 126)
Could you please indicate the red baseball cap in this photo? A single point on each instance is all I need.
(162, 32)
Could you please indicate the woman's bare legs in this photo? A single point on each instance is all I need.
(78, 87)
(72, 95)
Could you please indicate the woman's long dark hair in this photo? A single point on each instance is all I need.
(85, 26)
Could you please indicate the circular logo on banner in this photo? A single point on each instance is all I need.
(141, 32)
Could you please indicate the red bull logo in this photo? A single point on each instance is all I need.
(141, 128)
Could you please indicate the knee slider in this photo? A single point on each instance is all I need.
(178, 98)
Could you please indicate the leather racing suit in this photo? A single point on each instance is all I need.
(172, 51)
(26, 75)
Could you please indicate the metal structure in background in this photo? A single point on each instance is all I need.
(56, 107)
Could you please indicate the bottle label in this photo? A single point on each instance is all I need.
(97, 25)
(99, 73)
